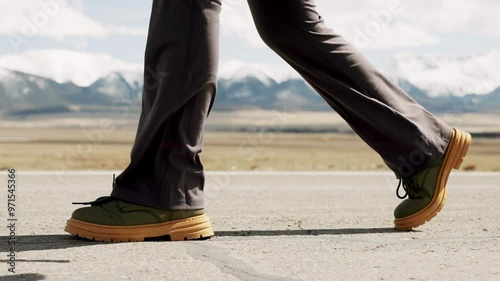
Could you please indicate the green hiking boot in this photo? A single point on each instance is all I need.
(114, 220)
(426, 191)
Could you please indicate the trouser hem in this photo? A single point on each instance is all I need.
(153, 202)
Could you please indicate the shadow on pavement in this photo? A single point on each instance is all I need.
(48, 242)
(298, 232)
(63, 241)
(23, 277)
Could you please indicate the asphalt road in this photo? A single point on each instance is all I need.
(269, 226)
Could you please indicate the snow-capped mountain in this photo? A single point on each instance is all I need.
(26, 92)
(115, 85)
(63, 66)
(437, 75)
(440, 75)
(60, 80)
(84, 69)
(234, 70)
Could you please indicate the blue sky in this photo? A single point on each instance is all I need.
(118, 27)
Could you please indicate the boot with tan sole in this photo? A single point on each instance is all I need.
(114, 220)
(426, 191)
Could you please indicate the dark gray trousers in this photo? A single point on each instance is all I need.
(180, 86)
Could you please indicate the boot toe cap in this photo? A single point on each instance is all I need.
(410, 207)
(95, 215)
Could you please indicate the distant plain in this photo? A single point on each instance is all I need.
(244, 140)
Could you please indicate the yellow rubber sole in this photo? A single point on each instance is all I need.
(198, 227)
(457, 149)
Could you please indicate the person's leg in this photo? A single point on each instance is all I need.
(408, 137)
(384, 116)
(161, 191)
(179, 89)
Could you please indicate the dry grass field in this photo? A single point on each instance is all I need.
(94, 149)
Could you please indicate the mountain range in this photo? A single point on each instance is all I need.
(38, 82)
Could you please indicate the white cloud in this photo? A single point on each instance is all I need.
(55, 19)
(442, 75)
(403, 23)
(52, 18)
(416, 23)
(130, 31)
(478, 17)
(236, 21)
(396, 35)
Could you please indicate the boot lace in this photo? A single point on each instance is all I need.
(409, 186)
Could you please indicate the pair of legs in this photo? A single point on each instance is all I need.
(161, 191)
(180, 87)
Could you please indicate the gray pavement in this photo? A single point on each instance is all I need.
(269, 226)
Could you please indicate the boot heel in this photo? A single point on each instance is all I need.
(462, 141)
(194, 228)
(204, 233)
